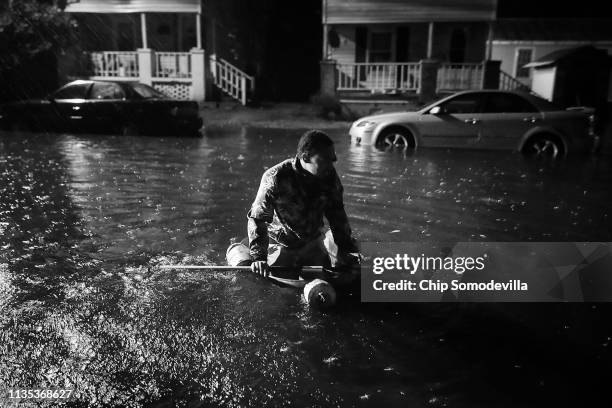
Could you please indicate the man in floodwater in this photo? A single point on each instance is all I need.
(292, 200)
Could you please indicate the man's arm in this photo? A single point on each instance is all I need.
(259, 216)
(338, 221)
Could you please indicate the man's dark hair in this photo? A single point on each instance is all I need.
(312, 142)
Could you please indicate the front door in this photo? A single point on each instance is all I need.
(381, 75)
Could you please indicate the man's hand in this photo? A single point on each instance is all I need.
(261, 267)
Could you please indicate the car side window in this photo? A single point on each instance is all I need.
(74, 91)
(507, 103)
(470, 103)
(101, 90)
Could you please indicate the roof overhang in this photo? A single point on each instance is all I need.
(539, 64)
(407, 11)
(133, 6)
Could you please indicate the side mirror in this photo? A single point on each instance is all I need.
(436, 110)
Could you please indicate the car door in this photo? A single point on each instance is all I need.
(102, 106)
(455, 124)
(506, 118)
(68, 102)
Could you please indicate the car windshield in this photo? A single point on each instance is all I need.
(147, 92)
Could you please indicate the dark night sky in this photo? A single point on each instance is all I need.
(554, 8)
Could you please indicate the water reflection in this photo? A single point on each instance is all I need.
(85, 219)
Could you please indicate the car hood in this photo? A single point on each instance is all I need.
(390, 117)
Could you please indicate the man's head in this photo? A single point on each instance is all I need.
(316, 153)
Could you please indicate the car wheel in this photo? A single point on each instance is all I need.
(129, 129)
(395, 138)
(544, 147)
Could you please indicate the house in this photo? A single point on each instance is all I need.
(517, 42)
(386, 46)
(156, 42)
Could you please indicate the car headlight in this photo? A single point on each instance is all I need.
(366, 123)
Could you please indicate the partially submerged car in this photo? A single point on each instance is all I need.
(125, 108)
(488, 119)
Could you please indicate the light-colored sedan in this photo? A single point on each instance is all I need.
(487, 119)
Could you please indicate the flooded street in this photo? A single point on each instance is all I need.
(84, 220)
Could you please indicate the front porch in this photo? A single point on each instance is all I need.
(424, 80)
(392, 78)
(158, 43)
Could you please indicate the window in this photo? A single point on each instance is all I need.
(523, 56)
(380, 47)
(469, 103)
(101, 90)
(73, 91)
(507, 103)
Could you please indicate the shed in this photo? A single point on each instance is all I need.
(573, 76)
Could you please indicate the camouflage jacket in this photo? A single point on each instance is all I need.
(290, 206)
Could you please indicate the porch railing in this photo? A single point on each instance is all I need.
(231, 80)
(509, 83)
(456, 77)
(378, 76)
(115, 63)
(173, 64)
(173, 73)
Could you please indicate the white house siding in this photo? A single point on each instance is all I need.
(417, 48)
(345, 52)
(506, 52)
(545, 82)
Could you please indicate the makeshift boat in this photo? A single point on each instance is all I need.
(319, 283)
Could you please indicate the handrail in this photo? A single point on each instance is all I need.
(382, 76)
(115, 63)
(509, 83)
(460, 76)
(173, 64)
(231, 80)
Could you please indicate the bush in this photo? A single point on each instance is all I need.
(31, 33)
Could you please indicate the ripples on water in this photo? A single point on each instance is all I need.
(85, 219)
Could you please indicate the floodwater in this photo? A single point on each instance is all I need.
(84, 220)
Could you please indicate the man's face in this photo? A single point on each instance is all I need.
(322, 162)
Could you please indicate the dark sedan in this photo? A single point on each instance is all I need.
(126, 108)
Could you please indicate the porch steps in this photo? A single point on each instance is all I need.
(231, 80)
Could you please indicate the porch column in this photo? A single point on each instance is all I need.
(143, 30)
(490, 41)
(199, 30)
(146, 65)
(324, 17)
(198, 74)
(430, 33)
(325, 41)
